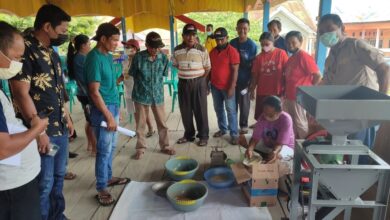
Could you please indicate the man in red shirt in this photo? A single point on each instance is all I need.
(300, 70)
(225, 61)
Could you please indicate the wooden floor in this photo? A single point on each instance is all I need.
(79, 193)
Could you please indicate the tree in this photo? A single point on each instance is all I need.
(78, 25)
(227, 20)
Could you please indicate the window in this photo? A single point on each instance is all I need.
(353, 34)
(360, 34)
(380, 43)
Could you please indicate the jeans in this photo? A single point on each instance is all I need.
(221, 101)
(243, 104)
(367, 136)
(51, 179)
(105, 148)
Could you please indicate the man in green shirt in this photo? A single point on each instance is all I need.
(104, 97)
(148, 69)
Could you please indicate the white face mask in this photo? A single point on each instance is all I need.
(129, 51)
(267, 48)
(14, 68)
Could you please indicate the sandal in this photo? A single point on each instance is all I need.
(119, 181)
(244, 131)
(184, 140)
(138, 154)
(202, 142)
(168, 150)
(70, 176)
(219, 134)
(105, 199)
(150, 133)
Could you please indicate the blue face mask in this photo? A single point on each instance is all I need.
(329, 39)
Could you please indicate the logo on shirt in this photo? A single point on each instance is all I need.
(268, 67)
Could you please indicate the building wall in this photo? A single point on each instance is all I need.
(369, 31)
(288, 25)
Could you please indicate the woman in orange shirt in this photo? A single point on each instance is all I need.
(267, 72)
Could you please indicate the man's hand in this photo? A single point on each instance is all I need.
(43, 143)
(38, 123)
(230, 92)
(252, 95)
(70, 128)
(111, 123)
(120, 79)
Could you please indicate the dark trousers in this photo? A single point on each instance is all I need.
(193, 102)
(243, 104)
(21, 203)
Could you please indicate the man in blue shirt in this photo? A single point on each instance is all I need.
(247, 49)
(275, 27)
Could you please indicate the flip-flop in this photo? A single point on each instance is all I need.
(168, 150)
(202, 143)
(219, 134)
(138, 154)
(105, 200)
(150, 134)
(184, 140)
(119, 181)
(70, 176)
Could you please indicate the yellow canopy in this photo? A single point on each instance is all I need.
(140, 22)
(127, 8)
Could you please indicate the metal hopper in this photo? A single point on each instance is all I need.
(345, 109)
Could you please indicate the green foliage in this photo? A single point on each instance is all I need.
(227, 20)
(78, 25)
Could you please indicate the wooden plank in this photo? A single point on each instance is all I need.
(79, 193)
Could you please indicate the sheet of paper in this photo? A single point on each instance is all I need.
(121, 130)
(15, 160)
(138, 202)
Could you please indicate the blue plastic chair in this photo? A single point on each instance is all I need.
(121, 89)
(171, 81)
(174, 86)
(5, 88)
(71, 90)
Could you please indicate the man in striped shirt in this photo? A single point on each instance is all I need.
(193, 63)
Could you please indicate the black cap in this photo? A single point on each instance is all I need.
(107, 30)
(154, 40)
(189, 29)
(220, 33)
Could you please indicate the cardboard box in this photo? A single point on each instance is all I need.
(259, 183)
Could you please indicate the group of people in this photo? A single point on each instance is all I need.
(232, 72)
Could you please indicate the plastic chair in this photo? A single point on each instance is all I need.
(174, 86)
(170, 82)
(121, 89)
(5, 88)
(64, 66)
(71, 90)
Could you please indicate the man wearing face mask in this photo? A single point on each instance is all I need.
(225, 60)
(210, 41)
(19, 190)
(40, 86)
(352, 62)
